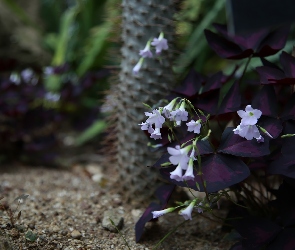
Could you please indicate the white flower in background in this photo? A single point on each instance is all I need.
(177, 173)
(157, 214)
(179, 156)
(138, 66)
(250, 116)
(189, 173)
(155, 118)
(146, 52)
(14, 78)
(147, 126)
(187, 212)
(247, 131)
(53, 97)
(160, 43)
(194, 126)
(156, 134)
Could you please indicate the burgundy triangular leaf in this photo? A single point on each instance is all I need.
(163, 159)
(285, 240)
(272, 125)
(265, 101)
(232, 100)
(146, 217)
(236, 145)
(163, 193)
(288, 63)
(208, 102)
(219, 172)
(225, 48)
(213, 82)
(269, 75)
(274, 42)
(249, 40)
(289, 110)
(284, 165)
(268, 63)
(256, 231)
(288, 142)
(191, 84)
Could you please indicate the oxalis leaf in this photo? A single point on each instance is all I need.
(219, 171)
(236, 145)
(163, 193)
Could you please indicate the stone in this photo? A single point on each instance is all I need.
(116, 217)
(76, 234)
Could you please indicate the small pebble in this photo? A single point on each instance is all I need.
(76, 234)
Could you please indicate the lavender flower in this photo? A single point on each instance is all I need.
(159, 213)
(250, 116)
(155, 118)
(160, 43)
(194, 126)
(146, 52)
(187, 212)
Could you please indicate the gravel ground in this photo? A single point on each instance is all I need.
(65, 209)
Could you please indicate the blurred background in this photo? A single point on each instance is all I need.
(57, 61)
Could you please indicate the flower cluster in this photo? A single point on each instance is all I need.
(159, 43)
(179, 156)
(248, 128)
(172, 112)
(186, 212)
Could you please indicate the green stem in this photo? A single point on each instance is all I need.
(246, 66)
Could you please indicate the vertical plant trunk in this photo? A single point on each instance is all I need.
(141, 21)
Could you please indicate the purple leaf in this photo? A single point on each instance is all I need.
(265, 101)
(274, 42)
(236, 145)
(288, 63)
(163, 193)
(284, 241)
(208, 102)
(213, 82)
(219, 171)
(284, 165)
(146, 217)
(225, 48)
(232, 100)
(191, 84)
(269, 75)
(256, 231)
(272, 126)
(289, 110)
(268, 63)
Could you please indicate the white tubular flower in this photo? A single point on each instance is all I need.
(194, 126)
(247, 131)
(189, 173)
(147, 126)
(179, 114)
(156, 134)
(168, 108)
(160, 43)
(157, 214)
(155, 118)
(250, 116)
(177, 173)
(187, 212)
(146, 52)
(137, 66)
(179, 156)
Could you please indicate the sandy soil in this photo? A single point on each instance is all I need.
(65, 210)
